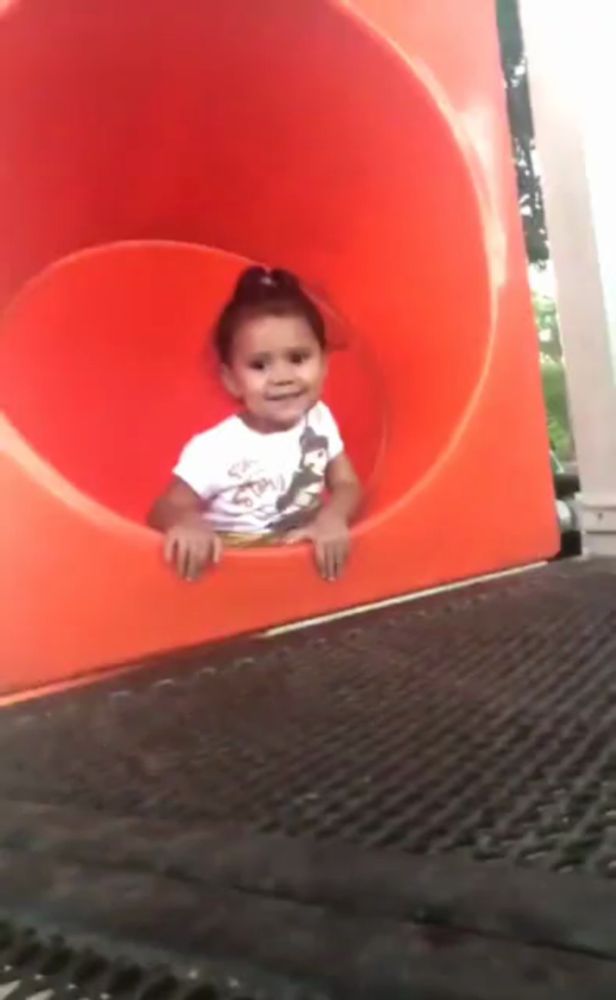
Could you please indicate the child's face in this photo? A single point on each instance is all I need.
(277, 369)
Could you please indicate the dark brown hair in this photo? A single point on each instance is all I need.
(263, 292)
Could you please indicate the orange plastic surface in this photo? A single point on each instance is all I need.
(150, 149)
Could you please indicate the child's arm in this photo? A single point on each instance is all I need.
(344, 489)
(190, 543)
(329, 531)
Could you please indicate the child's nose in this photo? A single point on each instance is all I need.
(282, 373)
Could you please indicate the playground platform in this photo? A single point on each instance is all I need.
(417, 802)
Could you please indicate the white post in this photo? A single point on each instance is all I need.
(571, 52)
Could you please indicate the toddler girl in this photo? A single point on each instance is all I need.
(276, 472)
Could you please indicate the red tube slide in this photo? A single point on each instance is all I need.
(150, 150)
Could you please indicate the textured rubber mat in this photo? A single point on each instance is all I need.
(35, 966)
(463, 748)
(482, 724)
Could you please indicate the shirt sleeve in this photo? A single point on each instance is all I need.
(330, 430)
(195, 466)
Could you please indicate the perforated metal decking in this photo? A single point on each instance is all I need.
(416, 803)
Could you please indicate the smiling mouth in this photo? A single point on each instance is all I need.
(285, 399)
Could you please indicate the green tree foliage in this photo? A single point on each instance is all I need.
(553, 375)
(555, 392)
(523, 137)
(547, 324)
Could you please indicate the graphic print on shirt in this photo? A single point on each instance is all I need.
(302, 499)
(259, 484)
(254, 485)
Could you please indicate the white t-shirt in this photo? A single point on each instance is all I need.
(257, 483)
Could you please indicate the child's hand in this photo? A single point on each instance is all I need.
(191, 546)
(329, 534)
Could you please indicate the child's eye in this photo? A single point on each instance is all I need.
(258, 364)
(298, 357)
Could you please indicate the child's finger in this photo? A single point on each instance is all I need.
(201, 556)
(333, 565)
(339, 554)
(342, 554)
(216, 549)
(169, 549)
(320, 554)
(326, 567)
(332, 561)
(180, 557)
(192, 562)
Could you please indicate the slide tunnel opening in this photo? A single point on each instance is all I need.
(153, 149)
